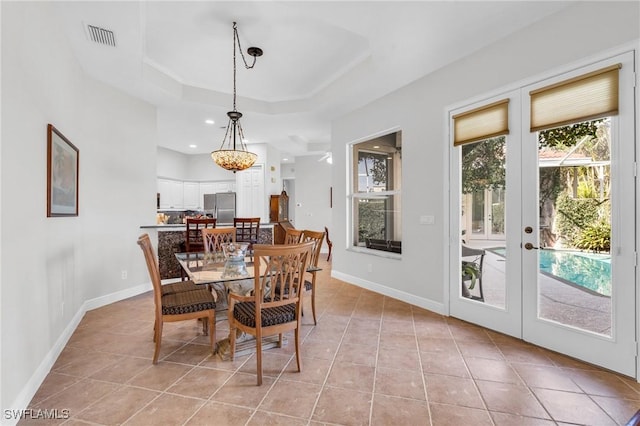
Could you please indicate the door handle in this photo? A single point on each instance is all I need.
(530, 246)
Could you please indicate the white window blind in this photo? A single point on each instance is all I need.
(481, 123)
(586, 97)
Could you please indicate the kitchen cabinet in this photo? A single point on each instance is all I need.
(191, 196)
(179, 195)
(171, 194)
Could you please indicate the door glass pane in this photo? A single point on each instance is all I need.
(483, 180)
(477, 213)
(574, 181)
(497, 213)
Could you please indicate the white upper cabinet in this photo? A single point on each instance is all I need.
(191, 196)
(171, 194)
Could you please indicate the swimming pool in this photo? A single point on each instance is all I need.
(592, 271)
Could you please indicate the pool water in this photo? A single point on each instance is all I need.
(591, 271)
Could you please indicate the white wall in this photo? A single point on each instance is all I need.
(312, 193)
(419, 110)
(51, 267)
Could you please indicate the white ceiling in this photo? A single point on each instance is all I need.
(321, 59)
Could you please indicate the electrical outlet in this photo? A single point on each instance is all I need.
(124, 274)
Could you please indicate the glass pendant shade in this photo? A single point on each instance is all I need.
(234, 160)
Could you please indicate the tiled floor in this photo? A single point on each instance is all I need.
(371, 360)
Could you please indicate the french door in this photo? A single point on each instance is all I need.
(486, 219)
(565, 276)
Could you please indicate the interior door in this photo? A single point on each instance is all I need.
(582, 302)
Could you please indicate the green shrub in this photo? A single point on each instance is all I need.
(596, 237)
(573, 216)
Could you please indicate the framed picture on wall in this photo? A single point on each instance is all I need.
(63, 160)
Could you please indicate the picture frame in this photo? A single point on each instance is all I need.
(63, 164)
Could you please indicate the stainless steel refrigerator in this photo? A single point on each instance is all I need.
(225, 207)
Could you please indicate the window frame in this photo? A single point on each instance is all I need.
(354, 195)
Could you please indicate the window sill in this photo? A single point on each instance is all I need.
(378, 253)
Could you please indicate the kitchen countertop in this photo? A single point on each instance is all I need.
(181, 226)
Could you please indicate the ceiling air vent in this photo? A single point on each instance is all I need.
(101, 35)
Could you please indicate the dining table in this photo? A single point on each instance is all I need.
(212, 270)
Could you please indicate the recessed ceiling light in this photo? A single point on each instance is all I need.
(376, 146)
(285, 159)
(193, 146)
(209, 121)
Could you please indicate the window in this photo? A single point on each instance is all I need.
(375, 194)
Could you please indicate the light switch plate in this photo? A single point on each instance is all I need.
(427, 220)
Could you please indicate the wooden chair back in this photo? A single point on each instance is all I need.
(292, 236)
(154, 271)
(193, 233)
(179, 305)
(213, 238)
(269, 312)
(317, 237)
(247, 229)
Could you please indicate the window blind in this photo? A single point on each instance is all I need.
(586, 97)
(481, 123)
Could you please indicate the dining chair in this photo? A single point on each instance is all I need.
(267, 312)
(193, 233)
(472, 271)
(316, 237)
(247, 229)
(329, 243)
(176, 306)
(292, 236)
(213, 238)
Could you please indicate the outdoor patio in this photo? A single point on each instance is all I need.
(561, 302)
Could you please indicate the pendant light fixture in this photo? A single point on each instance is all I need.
(233, 154)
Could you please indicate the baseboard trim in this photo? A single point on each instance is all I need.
(34, 383)
(412, 299)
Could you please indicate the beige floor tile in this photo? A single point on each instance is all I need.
(274, 419)
(365, 345)
(542, 376)
(620, 410)
(122, 370)
(200, 382)
(166, 410)
(215, 413)
(351, 376)
(314, 370)
(450, 364)
(190, 354)
(389, 410)
(453, 415)
(479, 349)
(77, 397)
(118, 406)
(492, 370)
(510, 398)
(295, 399)
(400, 359)
(242, 390)
(505, 419)
(573, 407)
(357, 354)
(453, 391)
(343, 407)
(402, 383)
(160, 376)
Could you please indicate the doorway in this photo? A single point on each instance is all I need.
(563, 274)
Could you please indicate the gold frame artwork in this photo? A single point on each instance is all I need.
(63, 161)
